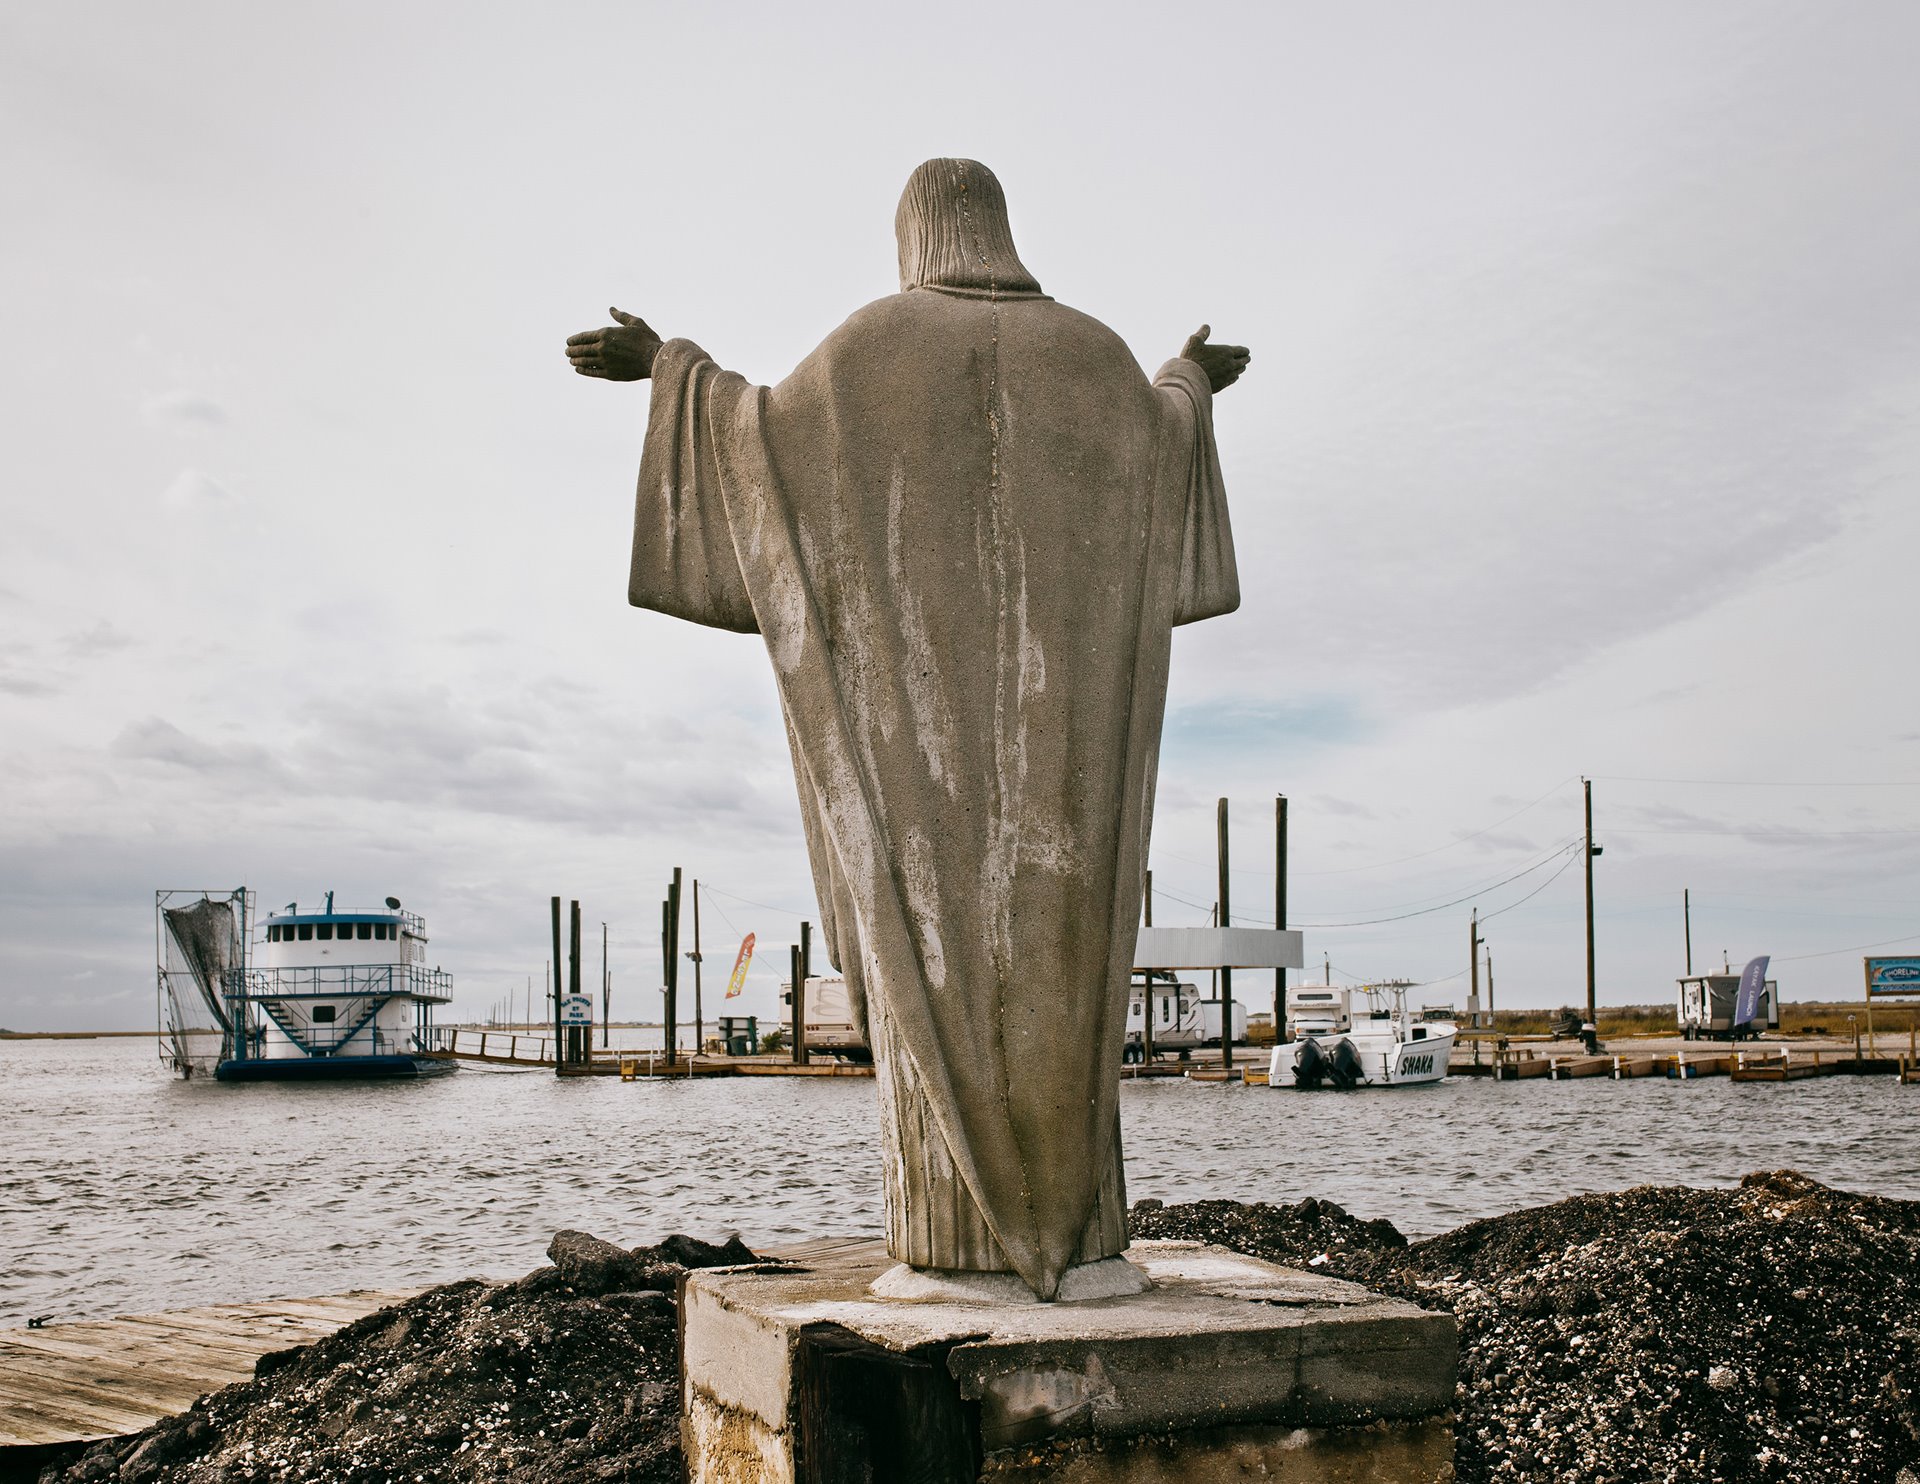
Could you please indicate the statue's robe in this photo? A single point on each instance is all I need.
(966, 527)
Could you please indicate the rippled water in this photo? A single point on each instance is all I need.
(123, 1190)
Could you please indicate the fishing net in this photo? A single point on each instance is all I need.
(202, 947)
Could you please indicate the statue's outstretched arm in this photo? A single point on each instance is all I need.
(1222, 363)
(622, 352)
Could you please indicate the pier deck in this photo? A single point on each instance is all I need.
(104, 1378)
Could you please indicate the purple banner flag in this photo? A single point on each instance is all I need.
(1753, 983)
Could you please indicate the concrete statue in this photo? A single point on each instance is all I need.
(966, 527)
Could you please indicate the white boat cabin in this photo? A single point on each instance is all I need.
(342, 984)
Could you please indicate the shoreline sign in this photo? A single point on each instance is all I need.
(1889, 977)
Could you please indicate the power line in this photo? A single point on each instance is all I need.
(1398, 860)
(1760, 782)
(1778, 832)
(1572, 856)
(767, 906)
(1457, 901)
(1462, 840)
(1791, 958)
(1416, 910)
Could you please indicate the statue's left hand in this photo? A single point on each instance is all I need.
(1222, 363)
(622, 352)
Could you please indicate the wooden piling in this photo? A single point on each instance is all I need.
(580, 1047)
(673, 969)
(798, 1031)
(557, 971)
(1280, 913)
(1226, 974)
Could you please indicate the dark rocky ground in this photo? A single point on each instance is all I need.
(1768, 1333)
(570, 1373)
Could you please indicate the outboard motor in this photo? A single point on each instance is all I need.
(1310, 1065)
(1343, 1066)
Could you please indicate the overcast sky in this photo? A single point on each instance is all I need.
(1580, 438)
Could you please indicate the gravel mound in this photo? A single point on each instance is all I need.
(1654, 1336)
(1313, 1234)
(570, 1373)
(1768, 1333)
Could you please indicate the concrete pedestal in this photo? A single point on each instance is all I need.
(1228, 1368)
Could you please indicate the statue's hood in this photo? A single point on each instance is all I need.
(954, 236)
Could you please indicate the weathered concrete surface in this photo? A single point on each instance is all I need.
(1382, 1453)
(1109, 1277)
(1227, 1363)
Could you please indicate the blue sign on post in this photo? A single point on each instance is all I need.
(1893, 976)
(1753, 984)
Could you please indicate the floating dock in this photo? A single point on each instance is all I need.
(70, 1384)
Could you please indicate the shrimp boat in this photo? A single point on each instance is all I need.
(304, 995)
(1385, 1047)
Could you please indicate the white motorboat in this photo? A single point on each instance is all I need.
(1384, 1047)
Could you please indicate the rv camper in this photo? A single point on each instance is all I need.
(1182, 1019)
(1704, 1007)
(829, 1012)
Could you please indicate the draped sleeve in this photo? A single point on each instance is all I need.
(1209, 582)
(683, 555)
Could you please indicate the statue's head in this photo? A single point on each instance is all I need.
(953, 232)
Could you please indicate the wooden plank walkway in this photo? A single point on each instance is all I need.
(104, 1378)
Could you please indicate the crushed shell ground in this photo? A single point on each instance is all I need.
(1654, 1336)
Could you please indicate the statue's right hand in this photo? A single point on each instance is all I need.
(1222, 363)
(622, 352)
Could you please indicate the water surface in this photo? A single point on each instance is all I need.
(123, 1190)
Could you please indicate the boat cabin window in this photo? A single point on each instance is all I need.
(322, 1014)
(306, 931)
(366, 930)
(324, 931)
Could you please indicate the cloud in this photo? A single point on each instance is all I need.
(157, 740)
(102, 638)
(23, 685)
(182, 411)
(192, 491)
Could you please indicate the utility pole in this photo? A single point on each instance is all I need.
(1226, 974)
(1489, 987)
(606, 990)
(1473, 959)
(1592, 1013)
(1686, 916)
(698, 1028)
(1280, 912)
(1146, 993)
(555, 961)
